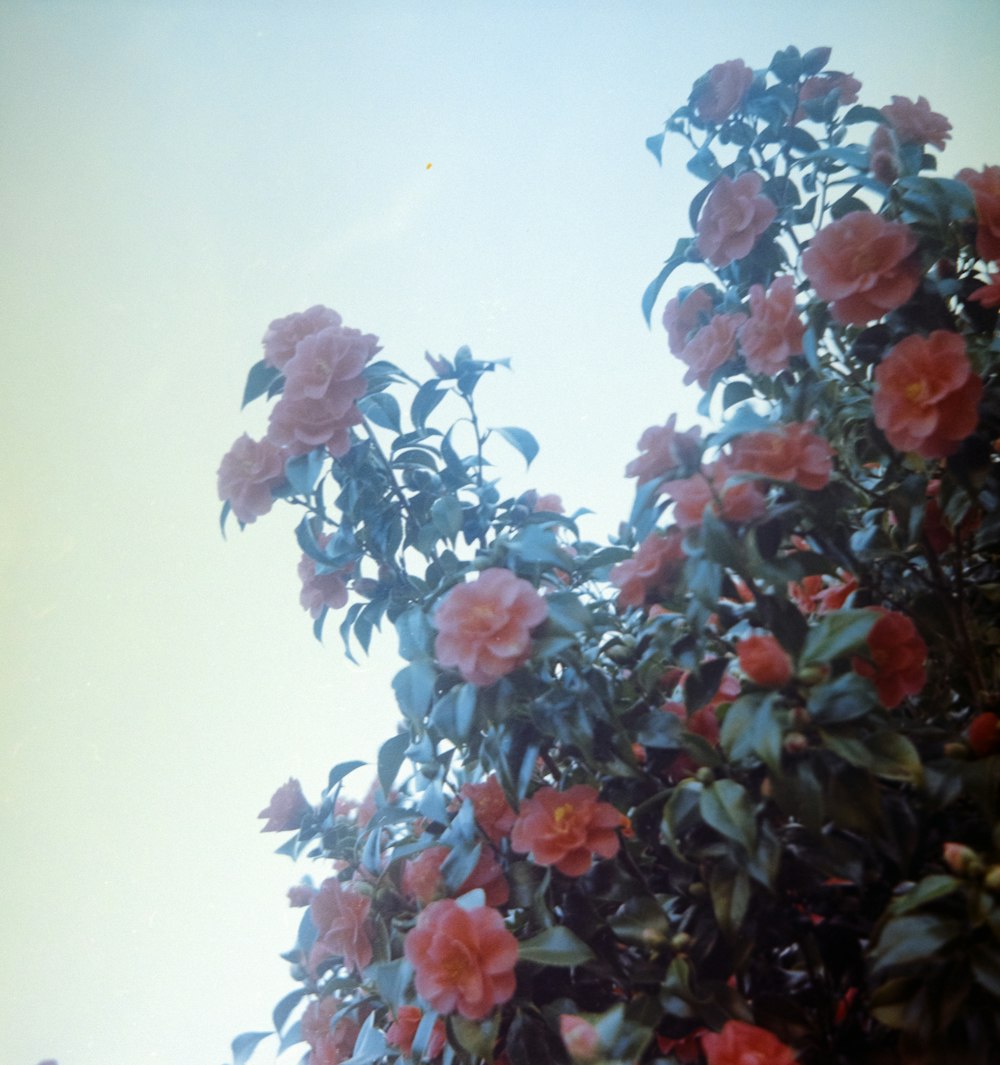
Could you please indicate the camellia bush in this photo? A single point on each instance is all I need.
(723, 789)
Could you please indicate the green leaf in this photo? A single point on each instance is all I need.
(726, 807)
(680, 256)
(864, 114)
(930, 889)
(283, 1010)
(729, 886)
(641, 922)
(895, 758)
(245, 1044)
(382, 409)
(704, 165)
(428, 396)
(754, 725)
(414, 687)
(837, 634)
(259, 380)
(340, 771)
(555, 946)
(915, 938)
(848, 697)
(390, 758)
(521, 440)
(391, 980)
(736, 392)
(302, 471)
(446, 514)
(655, 145)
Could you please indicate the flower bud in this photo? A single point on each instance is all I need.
(681, 942)
(991, 881)
(795, 743)
(961, 860)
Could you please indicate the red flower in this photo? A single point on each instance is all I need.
(863, 265)
(422, 876)
(493, 813)
(702, 722)
(684, 314)
(774, 331)
(664, 450)
(765, 661)
(286, 809)
(402, 1030)
(883, 155)
(340, 915)
(989, 294)
(985, 187)
(721, 91)
(330, 1046)
(916, 123)
(567, 828)
(654, 567)
(791, 453)
(711, 347)
(741, 502)
(484, 628)
(740, 1043)
(984, 734)
(686, 1050)
(733, 217)
(926, 395)
(821, 85)
(897, 655)
(463, 959)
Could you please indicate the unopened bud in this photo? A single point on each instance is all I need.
(814, 674)
(991, 881)
(681, 942)
(795, 743)
(704, 775)
(961, 860)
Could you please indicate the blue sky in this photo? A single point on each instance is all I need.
(172, 177)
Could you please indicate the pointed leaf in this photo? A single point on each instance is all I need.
(259, 380)
(555, 946)
(245, 1044)
(520, 439)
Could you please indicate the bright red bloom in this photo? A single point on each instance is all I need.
(422, 876)
(765, 661)
(664, 450)
(712, 346)
(494, 815)
(916, 123)
(733, 217)
(340, 915)
(286, 809)
(567, 828)
(985, 185)
(721, 91)
(984, 734)
(686, 1050)
(681, 317)
(926, 395)
(656, 564)
(484, 627)
(463, 959)
(863, 265)
(897, 655)
(247, 473)
(791, 452)
(403, 1029)
(989, 294)
(740, 1043)
(774, 331)
(702, 722)
(330, 1046)
(580, 1037)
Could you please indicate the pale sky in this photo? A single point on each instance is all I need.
(172, 177)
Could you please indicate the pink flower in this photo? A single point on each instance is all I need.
(711, 347)
(284, 333)
(926, 395)
(656, 564)
(463, 959)
(300, 895)
(247, 473)
(549, 504)
(791, 453)
(303, 424)
(916, 123)
(567, 828)
(580, 1037)
(765, 661)
(774, 331)
(422, 876)
(740, 1043)
(493, 813)
(403, 1029)
(733, 217)
(340, 915)
(683, 315)
(821, 85)
(863, 265)
(330, 1046)
(883, 155)
(985, 187)
(896, 657)
(739, 502)
(320, 590)
(664, 450)
(721, 91)
(484, 628)
(286, 809)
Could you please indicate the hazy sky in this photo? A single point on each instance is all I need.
(173, 176)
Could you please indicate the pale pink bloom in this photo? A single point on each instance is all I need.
(321, 590)
(656, 564)
(916, 123)
(711, 347)
(721, 91)
(774, 331)
(286, 809)
(740, 502)
(985, 186)
(733, 217)
(550, 504)
(329, 364)
(484, 627)
(284, 333)
(329, 1045)
(821, 85)
(340, 915)
(580, 1037)
(790, 452)
(664, 450)
(681, 317)
(247, 473)
(883, 155)
(303, 424)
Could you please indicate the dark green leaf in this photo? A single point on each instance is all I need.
(837, 633)
(655, 145)
(340, 771)
(245, 1044)
(283, 1010)
(726, 807)
(428, 396)
(555, 946)
(914, 938)
(259, 380)
(303, 471)
(653, 288)
(382, 409)
(414, 688)
(847, 697)
(446, 514)
(704, 165)
(520, 439)
(390, 758)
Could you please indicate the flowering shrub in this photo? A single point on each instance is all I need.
(723, 789)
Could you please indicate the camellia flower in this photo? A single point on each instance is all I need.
(340, 915)
(883, 155)
(580, 1037)
(740, 1043)
(494, 815)
(721, 91)
(247, 473)
(300, 895)
(484, 628)
(329, 1046)
(989, 294)
(403, 1029)
(284, 333)
(320, 590)
(774, 331)
(683, 315)
(739, 502)
(984, 734)
(702, 722)
(916, 123)
(286, 809)
(664, 450)
(733, 217)
(656, 564)
(821, 85)
(926, 395)
(897, 655)
(567, 829)
(712, 346)
(792, 453)
(422, 876)
(985, 185)
(463, 959)
(863, 265)
(765, 661)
